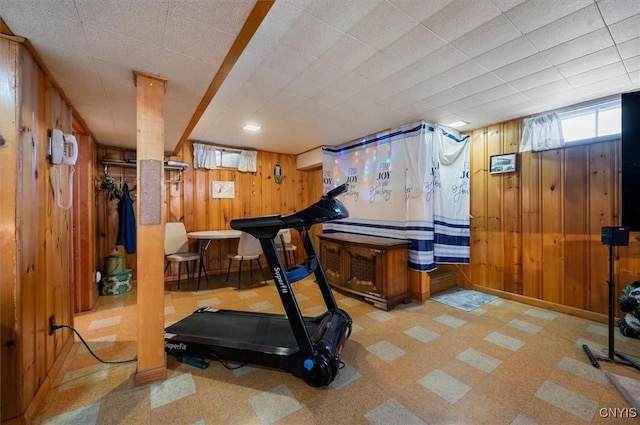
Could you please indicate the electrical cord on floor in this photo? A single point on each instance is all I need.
(54, 327)
(225, 364)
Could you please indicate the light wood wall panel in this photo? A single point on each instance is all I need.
(536, 232)
(42, 285)
(10, 258)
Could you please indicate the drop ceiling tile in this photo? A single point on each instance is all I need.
(479, 84)
(350, 84)
(488, 36)
(376, 93)
(460, 105)
(617, 10)
(439, 61)
(419, 109)
(550, 91)
(495, 93)
(607, 87)
(536, 79)
(173, 65)
(282, 103)
(285, 59)
(629, 48)
(428, 88)
(125, 18)
(579, 23)
(632, 64)
(349, 52)
(625, 30)
(263, 85)
(445, 97)
(197, 40)
(414, 45)
(138, 55)
(278, 21)
(523, 67)
(394, 22)
(247, 104)
(504, 103)
(534, 14)
(342, 15)
(227, 16)
(460, 17)
(505, 5)
(397, 100)
(461, 73)
(43, 31)
(592, 61)
(609, 71)
(420, 10)
(303, 88)
(581, 46)
(378, 67)
(323, 72)
(403, 79)
(506, 54)
(310, 35)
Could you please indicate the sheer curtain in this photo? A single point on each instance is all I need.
(204, 156)
(542, 133)
(248, 161)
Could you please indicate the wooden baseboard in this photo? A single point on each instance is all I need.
(573, 311)
(150, 376)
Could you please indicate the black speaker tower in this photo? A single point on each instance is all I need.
(612, 236)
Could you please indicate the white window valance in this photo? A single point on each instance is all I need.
(248, 161)
(542, 133)
(204, 156)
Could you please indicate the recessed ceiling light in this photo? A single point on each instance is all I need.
(457, 124)
(252, 127)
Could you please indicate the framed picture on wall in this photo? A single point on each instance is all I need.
(222, 189)
(499, 164)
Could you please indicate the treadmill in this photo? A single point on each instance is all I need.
(308, 347)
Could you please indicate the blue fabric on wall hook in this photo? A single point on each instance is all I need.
(127, 225)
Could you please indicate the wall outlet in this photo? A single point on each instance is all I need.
(52, 323)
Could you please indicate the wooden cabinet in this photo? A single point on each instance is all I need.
(372, 267)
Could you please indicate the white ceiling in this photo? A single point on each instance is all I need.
(324, 72)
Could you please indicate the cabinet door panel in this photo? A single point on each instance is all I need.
(331, 258)
(362, 269)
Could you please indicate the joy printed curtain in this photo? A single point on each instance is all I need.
(407, 183)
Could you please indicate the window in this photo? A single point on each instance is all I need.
(592, 123)
(227, 158)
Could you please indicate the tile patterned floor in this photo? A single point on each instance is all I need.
(503, 363)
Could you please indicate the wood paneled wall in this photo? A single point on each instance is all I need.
(190, 201)
(536, 232)
(36, 280)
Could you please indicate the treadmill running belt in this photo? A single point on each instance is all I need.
(237, 328)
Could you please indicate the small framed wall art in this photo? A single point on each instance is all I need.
(222, 189)
(506, 163)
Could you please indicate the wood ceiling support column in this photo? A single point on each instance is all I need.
(152, 364)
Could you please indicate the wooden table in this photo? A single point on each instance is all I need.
(204, 238)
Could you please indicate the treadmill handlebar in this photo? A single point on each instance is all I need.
(328, 208)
